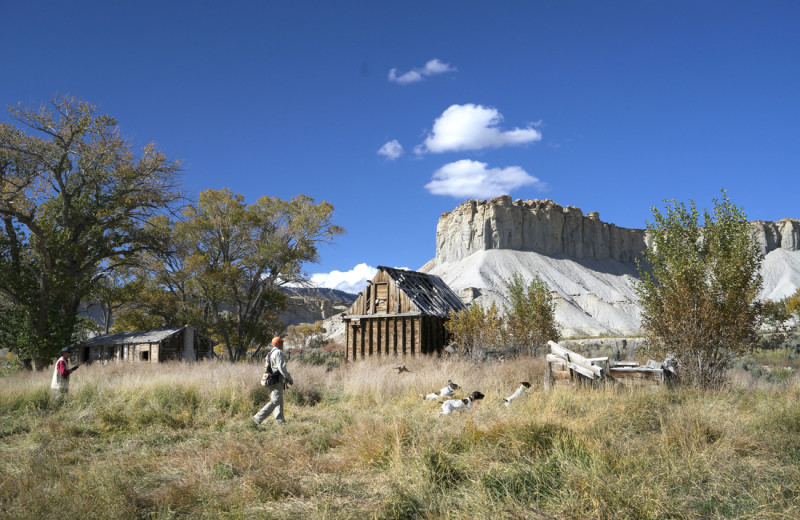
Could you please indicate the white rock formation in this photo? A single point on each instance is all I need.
(538, 226)
(588, 264)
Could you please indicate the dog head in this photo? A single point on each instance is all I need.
(476, 395)
(526, 384)
(452, 385)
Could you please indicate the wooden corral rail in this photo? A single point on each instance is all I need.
(568, 368)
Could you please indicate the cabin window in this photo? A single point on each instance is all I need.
(144, 355)
(382, 297)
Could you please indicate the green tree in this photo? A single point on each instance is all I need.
(74, 203)
(530, 319)
(476, 329)
(307, 334)
(793, 304)
(113, 292)
(165, 293)
(239, 256)
(776, 322)
(698, 288)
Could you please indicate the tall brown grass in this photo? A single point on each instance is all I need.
(175, 441)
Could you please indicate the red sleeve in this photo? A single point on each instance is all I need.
(61, 366)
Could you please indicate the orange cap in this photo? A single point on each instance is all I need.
(276, 340)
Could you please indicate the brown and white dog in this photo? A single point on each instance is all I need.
(444, 392)
(521, 390)
(461, 405)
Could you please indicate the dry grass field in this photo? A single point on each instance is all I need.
(176, 441)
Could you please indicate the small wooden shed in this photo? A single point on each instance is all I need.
(150, 346)
(400, 312)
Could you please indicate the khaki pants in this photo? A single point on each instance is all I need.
(274, 406)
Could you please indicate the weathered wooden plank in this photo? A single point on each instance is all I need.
(362, 340)
(416, 337)
(650, 374)
(361, 316)
(576, 359)
(558, 350)
(582, 370)
(378, 336)
(635, 370)
(552, 358)
(626, 364)
(404, 336)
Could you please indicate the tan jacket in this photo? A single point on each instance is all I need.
(278, 362)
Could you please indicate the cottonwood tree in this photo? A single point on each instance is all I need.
(74, 203)
(165, 293)
(476, 329)
(240, 255)
(524, 325)
(113, 292)
(530, 319)
(307, 334)
(698, 288)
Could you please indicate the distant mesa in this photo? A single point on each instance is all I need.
(588, 264)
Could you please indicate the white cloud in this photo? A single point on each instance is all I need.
(474, 127)
(432, 68)
(468, 179)
(391, 150)
(411, 76)
(435, 66)
(352, 281)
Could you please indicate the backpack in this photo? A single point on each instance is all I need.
(269, 378)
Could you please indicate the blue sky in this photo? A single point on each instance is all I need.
(397, 112)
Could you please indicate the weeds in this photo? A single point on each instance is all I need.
(175, 441)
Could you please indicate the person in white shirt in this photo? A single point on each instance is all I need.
(61, 373)
(278, 378)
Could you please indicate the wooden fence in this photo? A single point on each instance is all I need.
(568, 368)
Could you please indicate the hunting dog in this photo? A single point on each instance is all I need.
(460, 404)
(444, 392)
(521, 390)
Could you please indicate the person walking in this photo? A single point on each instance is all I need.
(277, 379)
(62, 372)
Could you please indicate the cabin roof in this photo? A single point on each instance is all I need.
(129, 338)
(427, 292)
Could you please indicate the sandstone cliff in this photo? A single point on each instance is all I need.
(542, 226)
(780, 234)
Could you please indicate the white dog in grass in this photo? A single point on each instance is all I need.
(444, 392)
(523, 387)
(461, 405)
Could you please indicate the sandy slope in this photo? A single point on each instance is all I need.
(593, 297)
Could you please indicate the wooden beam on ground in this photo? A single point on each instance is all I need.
(582, 370)
(576, 359)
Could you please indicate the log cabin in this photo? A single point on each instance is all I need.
(150, 346)
(401, 312)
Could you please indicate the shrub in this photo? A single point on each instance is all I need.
(698, 288)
